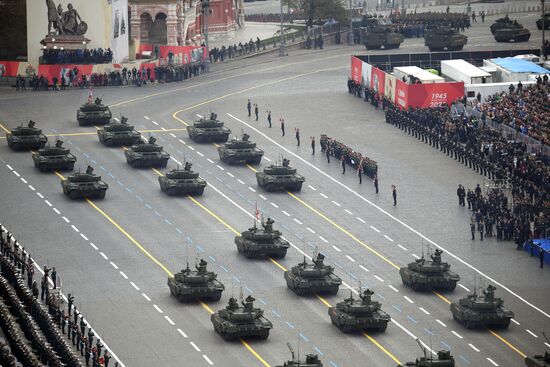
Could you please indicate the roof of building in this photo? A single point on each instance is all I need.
(519, 66)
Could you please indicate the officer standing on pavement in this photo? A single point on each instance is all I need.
(313, 145)
(256, 111)
(473, 229)
(327, 152)
(54, 278)
(269, 118)
(460, 192)
(481, 229)
(376, 183)
(394, 194)
(360, 173)
(282, 126)
(249, 108)
(298, 136)
(343, 159)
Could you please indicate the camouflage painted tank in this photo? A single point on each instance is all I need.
(240, 151)
(444, 39)
(209, 130)
(482, 310)
(189, 285)
(539, 360)
(182, 182)
(359, 314)
(313, 278)
(443, 359)
(118, 134)
(501, 23)
(84, 185)
(258, 242)
(54, 158)
(546, 19)
(26, 137)
(280, 177)
(147, 155)
(512, 32)
(94, 113)
(425, 274)
(236, 321)
(381, 36)
(312, 360)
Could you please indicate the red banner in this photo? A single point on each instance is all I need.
(377, 80)
(434, 95)
(55, 71)
(356, 67)
(401, 94)
(9, 68)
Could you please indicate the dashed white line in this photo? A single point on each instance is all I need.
(267, 159)
(116, 119)
(207, 359)
(350, 258)
(263, 197)
(195, 346)
(123, 275)
(311, 187)
(182, 333)
(416, 256)
(173, 135)
(548, 345)
(24, 181)
(55, 210)
(104, 256)
(311, 230)
(40, 195)
(199, 116)
(375, 229)
(297, 221)
(408, 299)
(336, 203)
(473, 347)
(154, 122)
(32, 187)
(199, 153)
(532, 333)
(229, 173)
(148, 299)
(393, 288)
(47, 202)
(361, 220)
(362, 267)
(441, 322)
(147, 118)
(84, 236)
(181, 141)
(251, 189)
(493, 362)
(388, 238)
(336, 248)
(114, 265)
(274, 205)
(457, 334)
(515, 322)
(463, 287)
(10, 167)
(285, 213)
(424, 310)
(16, 173)
(323, 239)
(94, 246)
(402, 248)
(163, 128)
(220, 167)
(158, 309)
(190, 147)
(211, 161)
(169, 320)
(66, 219)
(135, 286)
(323, 195)
(380, 279)
(240, 181)
(75, 229)
(347, 211)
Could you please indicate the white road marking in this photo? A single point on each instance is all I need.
(209, 160)
(147, 118)
(40, 195)
(156, 123)
(493, 362)
(163, 128)
(135, 286)
(229, 173)
(441, 322)
(532, 333)
(190, 147)
(114, 265)
(75, 229)
(10, 167)
(362, 267)
(169, 320)
(416, 256)
(182, 333)
(408, 299)
(123, 275)
(220, 167)
(323, 195)
(473, 347)
(148, 299)
(94, 246)
(402, 248)
(15, 173)
(463, 287)
(285, 213)
(376, 229)
(263, 197)
(347, 211)
(515, 322)
(311, 187)
(24, 181)
(199, 153)
(31, 187)
(457, 334)
(181, 141)
(424, 310)
(66, 219)
(311, 230)
(207, 359)
(297, 221)
(199, 116)
(350, 258)
(380, 279)
(267, 159)
(84, 236)
(47, 202)
(116, 119)
(158, 309)
(274, 205)
(336, 248)
(173, 135)
(548, 345)
(360, 220)
(323, 239)
(388, 238)
(195, 346)
(251, 189)
(104, 256)
(336, 203)
(393, 288)
(240, 181)
(55, 210)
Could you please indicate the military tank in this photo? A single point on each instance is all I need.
(208, 130)
(280, 177)
(26, 137)
(444, 39)
(118, 134)
(147, 154)
(84, 185)
(512, 32)
(443, 359)
(546, 18)
(189, 285)
(482, 310)
(304, 278)
(424, 274)
(501, 23)
(358, 315)
(312, 360)
(258, 242)
(182, 182)
(54, 158)
(239, 151)
(381, 36)
(235, 321)
(94, 113)
(539, 360)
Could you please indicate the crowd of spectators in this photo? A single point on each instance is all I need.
(82, 56)
(274, 17)
(220, 54)
(333, 148)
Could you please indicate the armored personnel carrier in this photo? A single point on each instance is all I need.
(546, 19)
(539, 360)
(94, 113)
(512, 32)
(306, 278)
(54, 158)
(444, 39)
(242, 150)
(189, 285)
(482, 310)
(235, 321)
(118, 134)
(26, 137)
(280, 177)
(84, 185)
(425, 274)
(444, 359)
(209, 130)
(501, 23)
(257, 242)
(381, 36)
(147, 155)
(357, 315)
(312, 360)
(182, 182)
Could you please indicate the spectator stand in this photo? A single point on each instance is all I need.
(534, 247)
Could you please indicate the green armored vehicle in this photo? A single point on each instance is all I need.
(84, 185)
(147, 155)
(482, 310)
(280, 177)
(235, 321)
(182, 182)
(189, 285)
(512, 32)
(118, 134)
(358, 315)
(381, 36)
(238, 151)
(209, 130)
(546, 18)
(93, 113)
(444, 39)
(54, 158)
(257, 242)
(501, 23)
(306, 278)
(444, 359)
(26, 137)
(312, 360)
(539, 360)
(424, 274)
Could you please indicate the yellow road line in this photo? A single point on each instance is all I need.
(382, 348)
(213, 214)
(325, 302)
(206, 307)
(442, 297)
(247, 346)
(157, 172)
(496, 335)
(277, 263)
(4, 128)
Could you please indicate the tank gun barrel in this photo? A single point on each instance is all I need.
(291, 351)
(421, 347)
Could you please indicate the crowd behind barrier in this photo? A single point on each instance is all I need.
(220, 54)
(60, 56)
(334, 148)
(274, 17)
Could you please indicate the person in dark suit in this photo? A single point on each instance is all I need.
(394, 194)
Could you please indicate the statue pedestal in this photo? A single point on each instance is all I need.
(65, 41)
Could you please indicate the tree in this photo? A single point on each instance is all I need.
(318, 10)
(13, 29)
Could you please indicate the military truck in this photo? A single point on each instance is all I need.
(444, 39)
(182, 182)
(539, 360)
(84, 185)
(26, 137)
(482, 310)
(238, 151)
(444, 359)
(304, 278)
(378, 35)
(94, 113)
(258, 242)
(546, 19)
(147, 154)
(425, 274)
(54, 158)
(208, 130)
(512, 32)
(236, 321)
(359, 315)
(200, 284)
(280, 177)
(118, 134)
(312, 360)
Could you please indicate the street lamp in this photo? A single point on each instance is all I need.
(205, 10)
(282, 46)
(543, 26)
(350, 35)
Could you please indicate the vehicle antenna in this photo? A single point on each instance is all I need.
(350, 287)
(241, 297)
(298, 347)
(187, 253)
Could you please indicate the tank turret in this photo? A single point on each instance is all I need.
(359, 314)
(539, 360)
(118, 134)
(280, 177)
(443, 359)
(208, 130)
(501, 23)
(239, 321)
(189, 285)
(94, 113)
(482, 310)
(425, 274)
(26, 137)
(147, 154)
(259, 242)
(238, 151)
(182, 182)
(54, 158)
(511, 31)
(312, 360)
(380, 35)
(84, 185)
(312, 278)
(546, 19)
(444, 38)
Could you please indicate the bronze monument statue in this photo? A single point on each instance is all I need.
(64, 22)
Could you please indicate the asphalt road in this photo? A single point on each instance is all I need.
(115, 254)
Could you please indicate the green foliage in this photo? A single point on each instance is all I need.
(13, 29)
(317, 10)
